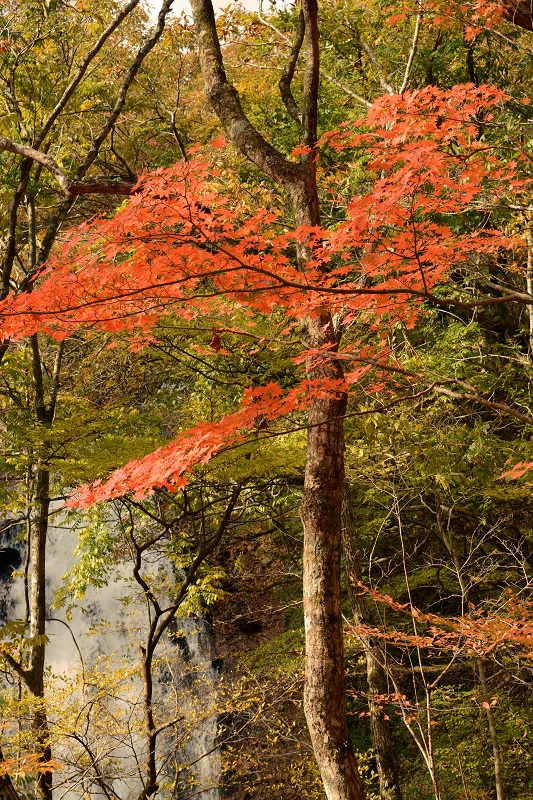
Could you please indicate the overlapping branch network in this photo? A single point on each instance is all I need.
(180, 247)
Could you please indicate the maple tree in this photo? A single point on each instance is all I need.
(436, 189)
(126, 276)
(124, 279)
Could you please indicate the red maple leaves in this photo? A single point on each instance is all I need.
(477, 632)
(167, 466)
(178, 246)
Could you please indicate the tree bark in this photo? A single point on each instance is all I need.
(320, 509)
(324, 693)
(73, 188)
(35, 672)
(498, 776)
(38, 535)
(288, 73)
(389, 786)
(519, 12)
(7, 791)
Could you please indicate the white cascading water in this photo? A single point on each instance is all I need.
(99, 641)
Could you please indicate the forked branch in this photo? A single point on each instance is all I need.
(414, 47)
(226, 102)
(268, 24)
(70, 188)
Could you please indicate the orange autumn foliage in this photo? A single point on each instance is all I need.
(179, 246)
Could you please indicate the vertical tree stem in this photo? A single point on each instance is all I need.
(492, 728)
(529, 285)
(389, 787)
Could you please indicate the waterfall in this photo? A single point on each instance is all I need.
(201, 750)
(97, 644)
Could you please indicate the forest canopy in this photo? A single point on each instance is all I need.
(266, 341)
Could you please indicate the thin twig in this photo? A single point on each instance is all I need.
(414, 47)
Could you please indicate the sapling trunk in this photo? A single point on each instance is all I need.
(389, 786)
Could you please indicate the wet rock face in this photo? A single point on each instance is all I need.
(10, 559)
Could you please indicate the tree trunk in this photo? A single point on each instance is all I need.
(325, 690)
(389, 786)
(35, 672)
(492, 728)
(7, 791)
(324, 693)
(519, 12)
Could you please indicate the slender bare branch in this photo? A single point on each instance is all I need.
(288, 73)
(10, 248)
(63, 210)
(348, 91)
(160, 622)
(70, 188)
(414, 47)
(324, 74)
(54, 388)
(143, 51)
(15, 666)
(311, 75)
(11, 232)
(71, 88)
(387, 87)
(519, 12)
(440, 386)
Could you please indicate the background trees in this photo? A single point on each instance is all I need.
(421, 263)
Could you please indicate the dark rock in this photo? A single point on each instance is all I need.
(183, 645)
(9, 560)
(218, 664)
(249, 625)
